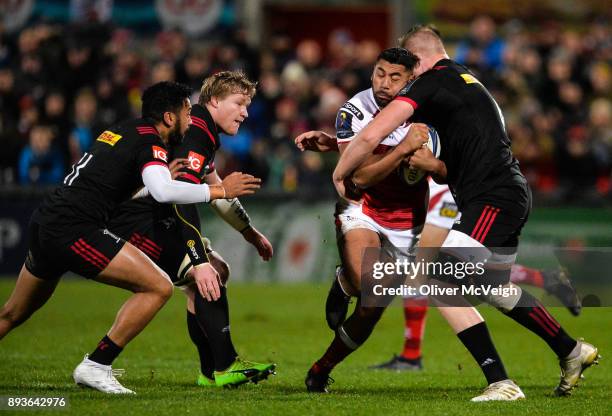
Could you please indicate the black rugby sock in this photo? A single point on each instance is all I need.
(479, 343)
(349, 337)
(200, 340)
(213, 317)
(106, 351)
(530, 313)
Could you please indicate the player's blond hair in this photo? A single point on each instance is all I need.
(224, 83)
(422, 38)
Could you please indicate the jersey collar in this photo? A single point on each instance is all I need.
(202, 117)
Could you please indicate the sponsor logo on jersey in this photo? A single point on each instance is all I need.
(196, 161)
(470, 79)
(109, 137)
(449, 210)
(350, 107)
(344, 125)
(160, 153)
(191, 245)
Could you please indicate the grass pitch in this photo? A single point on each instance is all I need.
(285, 324)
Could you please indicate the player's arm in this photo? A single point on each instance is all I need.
(389, 119)
(164, 189)
(375, 169)
(206, 277)
(152, 159)
(425, 160)
(233, 213)
(316, 141)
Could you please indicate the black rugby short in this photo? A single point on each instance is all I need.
(82, 249)
(496, 220)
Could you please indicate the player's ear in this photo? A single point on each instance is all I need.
(169, 118)
(214, 101)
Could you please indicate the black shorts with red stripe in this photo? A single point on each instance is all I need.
(84, 250)
(153, 229)
(496, 220)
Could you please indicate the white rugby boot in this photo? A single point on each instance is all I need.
(505, 390)
(100, 377)
(572, 367)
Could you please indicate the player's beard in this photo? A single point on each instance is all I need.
(175, 136)
(382, 102)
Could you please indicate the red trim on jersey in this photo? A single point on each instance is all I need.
(190, 177)
(485, 231)
(439, 67)
(143, 130)
(409, 101)
(198, 122)
(154, 162)
(435, 199)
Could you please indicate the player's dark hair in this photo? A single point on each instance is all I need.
(162, 97)
(399, 56)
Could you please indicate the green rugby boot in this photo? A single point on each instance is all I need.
(242, 371)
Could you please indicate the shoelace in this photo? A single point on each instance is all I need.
(116, 372)
(113, 374)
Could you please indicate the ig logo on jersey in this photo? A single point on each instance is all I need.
(160, 153)
(196, 161)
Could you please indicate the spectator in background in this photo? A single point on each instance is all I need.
(55, 115)
(162, 71)
(86, 128)
(113, 104)
(41, 162)
(482, 50)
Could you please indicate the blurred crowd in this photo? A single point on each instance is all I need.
(60, 86)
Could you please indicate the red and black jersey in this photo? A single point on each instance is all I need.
(138, 217)
(108, 174)
(199, 146)
(474, 142)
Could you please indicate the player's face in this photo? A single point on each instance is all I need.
(387, 81)
(181, 123)
(232, 112)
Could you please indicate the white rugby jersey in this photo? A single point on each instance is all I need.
(391, 203)
(442, 211)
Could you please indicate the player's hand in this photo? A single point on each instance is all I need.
(208, 281)
(417, 136)
(425, 160)
(176, 165)
(238, 184)
(260, 242)
(316, 141)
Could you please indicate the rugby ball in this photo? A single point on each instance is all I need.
(412, 175)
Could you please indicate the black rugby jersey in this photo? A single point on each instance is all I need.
(474, 142)
(108, 174)
(139, 215)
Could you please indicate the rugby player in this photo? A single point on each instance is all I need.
(390, 217)
(68, 231)
(441, 215)
(171, 234)
(488, 186)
